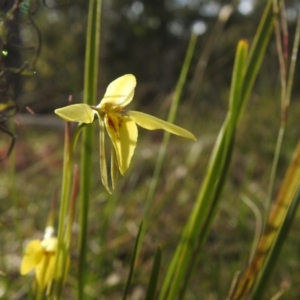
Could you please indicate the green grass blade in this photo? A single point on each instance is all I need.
(271, 242)
(151, 291)
(223, 158)
(203, 211)
(208, 198)
(134, 255)
(293, 59)
(171, 117)
(258, 48)
(235, 99)
(90, 97)
(206, 226)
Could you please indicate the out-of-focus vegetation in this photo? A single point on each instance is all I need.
(149, 39)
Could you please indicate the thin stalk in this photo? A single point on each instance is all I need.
(286, 97)
(284, 103)
(90, 98)
(133, 260)
(65, 193)
(259, 223)
(74, 195)
(12, 182)
(208, 47)
(293, 59)
(60, 268)
(152, 285)
(171, 118)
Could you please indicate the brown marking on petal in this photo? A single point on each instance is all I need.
(120, 122)
(115, 122)
(48, 254)
(111, 125)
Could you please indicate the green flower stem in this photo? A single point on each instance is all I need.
(63, 237)
(72, 209)
(65, 196)
(90, 98)
(39, 292)
(286, 97)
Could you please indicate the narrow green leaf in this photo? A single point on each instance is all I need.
(258, 48)
(151, 291)
(235, 99)
(206, 205)
(208, 198)
(171, 117)
(136, 246)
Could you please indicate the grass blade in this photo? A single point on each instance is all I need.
(208, 198)
(205, 206)
(171, 118)
(151, 291)
(136, 247)
(258, 48)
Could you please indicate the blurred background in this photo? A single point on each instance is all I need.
(146, 38)
(44, 51)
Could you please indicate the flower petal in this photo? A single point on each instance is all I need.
(103, 165)
(82, 113)
(123, 134)
(44, 270)
(114, 173)
(149, 122)
(119, 92)
(32, 256)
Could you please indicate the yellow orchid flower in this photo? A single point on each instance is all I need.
(119, 123)
(40, 255)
